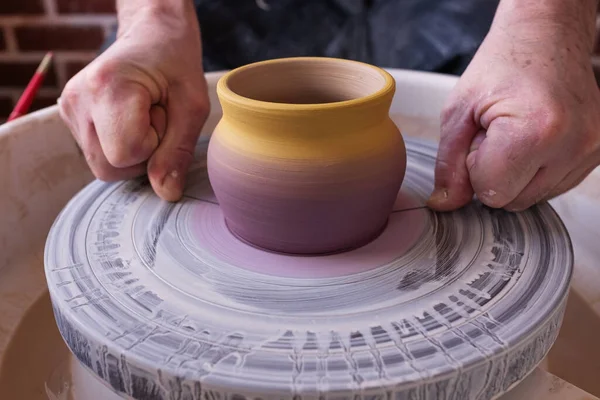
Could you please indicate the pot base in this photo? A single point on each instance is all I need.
(308, 253)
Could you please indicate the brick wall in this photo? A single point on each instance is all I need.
(596, 57)
(73, 29)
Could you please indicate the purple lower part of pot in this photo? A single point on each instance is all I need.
(306, 238)
(307, 227)
(277, 209)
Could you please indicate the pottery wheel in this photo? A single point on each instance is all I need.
(161, 301)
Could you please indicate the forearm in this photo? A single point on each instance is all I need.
(574, 18)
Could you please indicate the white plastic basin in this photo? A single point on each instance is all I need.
(41, 168)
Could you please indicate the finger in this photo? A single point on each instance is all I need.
(505, 162)
(74, 121)
(170, 162)
(158, 120)
(452, 186)
(66, 103)
(100, 166)
(544, 181)
(477, 140)
(121, 117)
(475, 144)
(573, 179)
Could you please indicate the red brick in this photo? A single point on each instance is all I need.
(59, 37)
(42, 102)
(73, 67)
(2, 41)
(86, 6)
(6, 106)
(15, 74)
(20, 7)
(597, 44)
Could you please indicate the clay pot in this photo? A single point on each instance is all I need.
(306, 158)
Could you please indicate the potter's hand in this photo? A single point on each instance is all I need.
(140, 106)
(523, 123)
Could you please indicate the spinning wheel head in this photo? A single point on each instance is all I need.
(161, 298)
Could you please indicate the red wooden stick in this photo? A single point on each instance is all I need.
(32, 88)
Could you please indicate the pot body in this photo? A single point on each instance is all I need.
(307, 178)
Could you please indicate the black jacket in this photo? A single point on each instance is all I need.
(429, 35)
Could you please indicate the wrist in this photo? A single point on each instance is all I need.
(550, 19)
(159, 12)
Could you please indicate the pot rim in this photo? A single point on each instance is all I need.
(227, 94)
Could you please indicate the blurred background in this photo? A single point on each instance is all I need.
(74, 30)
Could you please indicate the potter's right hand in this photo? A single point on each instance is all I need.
(139, 107)
(522, 125)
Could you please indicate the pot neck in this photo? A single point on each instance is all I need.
(304, 118)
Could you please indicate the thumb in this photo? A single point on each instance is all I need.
(171, 161)
(452, 185)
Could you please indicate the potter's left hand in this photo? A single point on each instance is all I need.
(139, 107)
(523, 123)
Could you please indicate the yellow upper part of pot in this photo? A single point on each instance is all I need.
(357, 124)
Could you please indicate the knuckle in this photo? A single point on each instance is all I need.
(197, 101)
(122, 155)
(175, 159)
(199, 107)
(127, 145)
(447, 116)
(497, 185)
(457, 104)
(589, 145)
(117, 157)
(156, 171)
(186, 153)
(126, 149)
(69, 97)
(99, 76)
(446, 113)
(442, 164)
(442, 170)
(551, 122)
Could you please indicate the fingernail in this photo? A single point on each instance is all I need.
(439, 196)
(173, 185)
